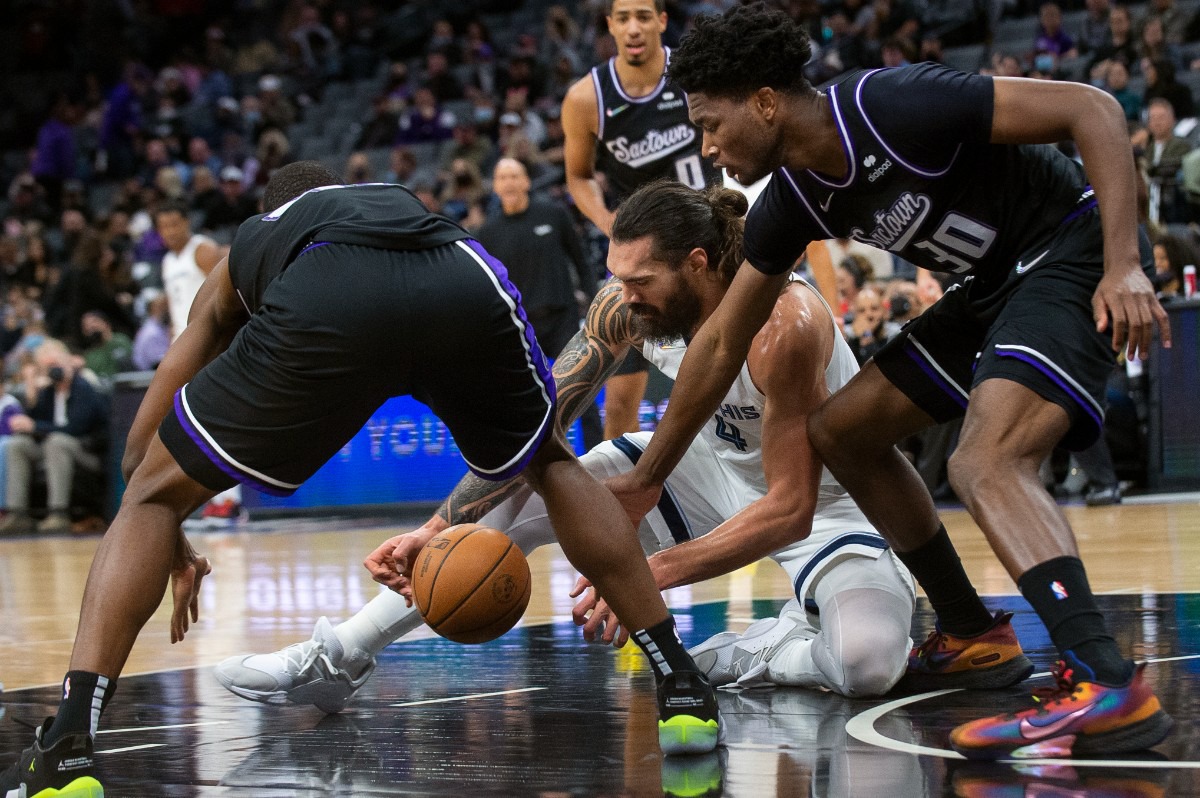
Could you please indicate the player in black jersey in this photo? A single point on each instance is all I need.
(951, 172)
(625, 119)
(338, 299)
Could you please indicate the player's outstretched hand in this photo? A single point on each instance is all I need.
(1127, 297)
(637, 497)
(391, 563)
(188, 569)
(598, 620)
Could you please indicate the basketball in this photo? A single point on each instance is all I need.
(471, 583)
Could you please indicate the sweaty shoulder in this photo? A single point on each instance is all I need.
(795, 343)
(924, 111)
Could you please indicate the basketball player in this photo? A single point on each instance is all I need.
(748, 487)
(946, 170)
(190, 257)
(276, 371)
(625, 119)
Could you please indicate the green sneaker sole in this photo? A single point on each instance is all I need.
(686, 734)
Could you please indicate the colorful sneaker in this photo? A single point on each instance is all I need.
(688, 720)
(303, 673)
(741, 660)
(64, 769)
(1076, 716)
(987, 661)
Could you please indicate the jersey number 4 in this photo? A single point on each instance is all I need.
(730, 434)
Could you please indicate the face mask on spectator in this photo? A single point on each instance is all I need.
(93, 339)
(56, 373)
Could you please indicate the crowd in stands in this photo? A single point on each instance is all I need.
(114, 108)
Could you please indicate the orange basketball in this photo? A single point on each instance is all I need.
(471, 583)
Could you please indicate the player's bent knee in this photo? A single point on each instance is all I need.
(872, 666)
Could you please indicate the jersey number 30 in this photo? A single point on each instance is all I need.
(956, 238)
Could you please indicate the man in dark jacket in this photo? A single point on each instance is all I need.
(66, 428)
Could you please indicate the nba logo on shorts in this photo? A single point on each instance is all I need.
(1059, 591)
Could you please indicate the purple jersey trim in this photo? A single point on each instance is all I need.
(867, 120)
(662, 82)
(804, 199)
(537, 360)
(1082, 401)
(599, 102)
(930, 372)
(844, 133)
(1089, 202)
(216, 459)
(313, 245)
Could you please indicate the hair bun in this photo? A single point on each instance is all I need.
(728, 201)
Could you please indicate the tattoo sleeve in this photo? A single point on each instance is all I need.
(585, 363)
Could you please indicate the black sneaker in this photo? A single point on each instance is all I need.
(64, 769)
(688, 720)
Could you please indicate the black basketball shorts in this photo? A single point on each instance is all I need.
(343, 329)
(1034, 327)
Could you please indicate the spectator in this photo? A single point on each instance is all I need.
(869, 327)
(65, 429)
(106, 353)
(277, 110)
(381, 127)
(443, 42)
(426, 121)
(882, 265)
(315, 45)
(200, 154)
(462, 188)
(897, 51)
(1153, 44)
(1120, 44)
(1051, 38)
(358, 168)
(122, 122)
(1116, 82)
(1161, 82)
(1171, 254)
(273, 151)
(36, 271)
(154, 336)
(98, 278)
(851, 277)
(1172, 20)
(903, 302)
(439, 79)
(469, 146)
(1094, 31)
(205, 193)
(402, 166)
(54, 162)
(233, 205)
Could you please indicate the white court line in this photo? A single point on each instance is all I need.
(171, 726)
(131, 748)
(862, 728)
(468, 697)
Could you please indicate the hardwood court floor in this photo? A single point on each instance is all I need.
(540, 713)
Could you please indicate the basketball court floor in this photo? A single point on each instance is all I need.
(539, 712)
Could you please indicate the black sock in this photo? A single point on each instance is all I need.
(1059, 593)
(85, 695)
(939, 572)
(664, 649)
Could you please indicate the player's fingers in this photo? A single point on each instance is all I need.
(1140, 333)
(1099, 312)
(579, 613)
(623, 639)
(581, 585)
(1163, 321)
(1120, 328)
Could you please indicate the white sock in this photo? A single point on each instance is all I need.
(384, 620)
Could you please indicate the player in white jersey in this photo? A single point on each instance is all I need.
(189, 259)
(748, 487)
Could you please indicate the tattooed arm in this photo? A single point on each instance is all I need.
(587, 360)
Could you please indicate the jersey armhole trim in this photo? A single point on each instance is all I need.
(599, 103)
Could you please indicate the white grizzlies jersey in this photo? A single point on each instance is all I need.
(735, 433)
(182, 279)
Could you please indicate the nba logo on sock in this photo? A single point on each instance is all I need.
(66, 688)
(1059, 591)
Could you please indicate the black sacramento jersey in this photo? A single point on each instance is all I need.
(379, 215)
(641, 139)
(923, 180)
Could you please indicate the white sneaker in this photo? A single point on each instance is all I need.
(303, 673)
(741, 660)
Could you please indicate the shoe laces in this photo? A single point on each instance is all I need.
(932, 643)
(1064, 687)
(299, 657)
